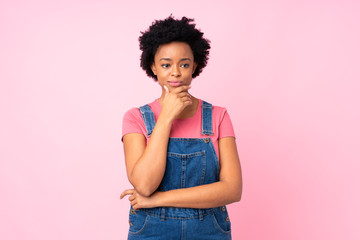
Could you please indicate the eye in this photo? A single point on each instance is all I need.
(185, 65)
(165, 65)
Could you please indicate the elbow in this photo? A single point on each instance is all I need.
(236, 194)
(144, 182)
(239, 193)
(144, 191)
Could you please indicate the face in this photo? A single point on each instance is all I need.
(174, 64)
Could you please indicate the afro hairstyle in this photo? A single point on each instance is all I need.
(170, 30)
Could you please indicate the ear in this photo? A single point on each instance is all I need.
(153, 68)
(194, 67)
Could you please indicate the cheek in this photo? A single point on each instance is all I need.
(189, 72)
(162, 73)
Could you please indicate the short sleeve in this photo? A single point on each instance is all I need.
(132, 122)
(226, 128)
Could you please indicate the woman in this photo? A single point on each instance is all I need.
(180, 151)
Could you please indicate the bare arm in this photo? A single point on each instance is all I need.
(226, 191)
(146, 164)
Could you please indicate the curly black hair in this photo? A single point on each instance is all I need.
(170, 30)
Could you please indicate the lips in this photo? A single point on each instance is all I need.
(174, 83)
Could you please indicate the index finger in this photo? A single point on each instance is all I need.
(181, 89)
(126, 192)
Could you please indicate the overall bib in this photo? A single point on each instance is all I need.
(190, 162)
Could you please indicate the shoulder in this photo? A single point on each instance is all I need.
(135, 111)
(222, 122)
(132, 113)
(133, 122)
(218, 111)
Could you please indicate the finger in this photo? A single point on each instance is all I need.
(134, 202)
(131, 198)
(183, 94)
(166, 89)
(181, 89)
(126, 192)
(186, 98)
(187, 103)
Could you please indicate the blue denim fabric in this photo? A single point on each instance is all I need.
(190, 162)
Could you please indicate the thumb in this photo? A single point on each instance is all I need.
(166, 89)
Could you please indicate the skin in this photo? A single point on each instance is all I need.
(146, 164)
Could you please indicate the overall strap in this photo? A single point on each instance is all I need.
(149, 118)
(206, 119)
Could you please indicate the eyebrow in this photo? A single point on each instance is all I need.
(169, 59)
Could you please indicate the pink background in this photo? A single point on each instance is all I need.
(287, 71)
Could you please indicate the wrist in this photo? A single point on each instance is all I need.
(165, 119)
(158, 198)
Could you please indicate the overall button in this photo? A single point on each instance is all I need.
(206, 140)
(227, 219)
(223, 209)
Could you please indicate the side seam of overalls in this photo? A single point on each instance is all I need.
(190, 162)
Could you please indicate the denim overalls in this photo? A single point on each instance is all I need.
(190, 162)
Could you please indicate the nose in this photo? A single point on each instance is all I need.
(175, 71)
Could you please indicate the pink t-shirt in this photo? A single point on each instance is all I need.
(182, 128)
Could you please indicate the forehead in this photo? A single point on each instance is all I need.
(174, 50)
